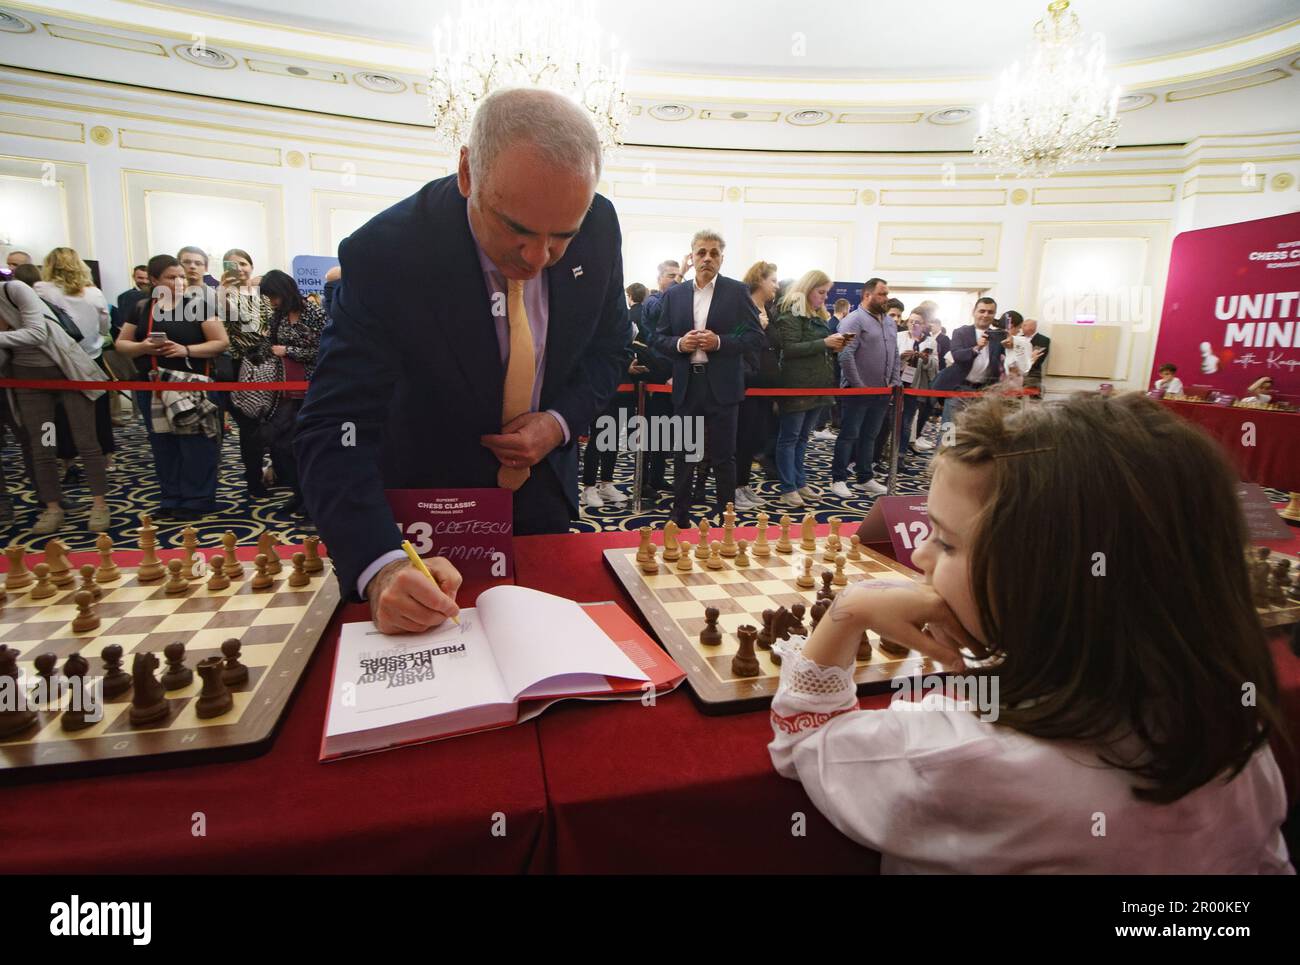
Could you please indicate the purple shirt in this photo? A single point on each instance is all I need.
(871, 359)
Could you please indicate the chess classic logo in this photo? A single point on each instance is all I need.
(75, 918)
(958, 691)
(659, 433)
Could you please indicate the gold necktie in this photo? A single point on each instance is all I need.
(521, 372)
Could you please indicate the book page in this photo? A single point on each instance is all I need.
(380, 680)
(537, 636)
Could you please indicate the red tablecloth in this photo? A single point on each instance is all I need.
(1274, 458)
(420, 809)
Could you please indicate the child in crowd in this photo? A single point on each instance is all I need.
(1133, 693)
(1169, 383)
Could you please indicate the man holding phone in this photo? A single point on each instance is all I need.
(976, 356)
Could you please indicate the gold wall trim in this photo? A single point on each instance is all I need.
(48, 128)
(1227, 86)
(129, 44)
(74, 177)
(1223, 184)
(879, 117)
(168, 144)
(757, 194)
(1106, 194)
(891, 234)
(373, 168)
(668, 192)
(948, 197)
(751, 117)
(284, 70)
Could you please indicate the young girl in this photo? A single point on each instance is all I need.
(1135, 693)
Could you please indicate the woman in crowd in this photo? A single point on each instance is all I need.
(754, 422)
(166, 333)
(806, 342)
(294, 331)
(66, 281)
(919, 356)
(247, 317)
(40, 350)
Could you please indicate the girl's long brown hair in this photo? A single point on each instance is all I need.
(1109, 570)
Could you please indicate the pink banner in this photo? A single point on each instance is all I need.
(1231, 305)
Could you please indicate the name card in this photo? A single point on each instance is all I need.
(903, 520)
(472, 528)
(1262, 521)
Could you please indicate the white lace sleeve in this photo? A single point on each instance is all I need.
(808, 697)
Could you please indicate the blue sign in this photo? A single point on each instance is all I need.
(309, 272)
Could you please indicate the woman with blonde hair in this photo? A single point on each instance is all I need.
(66, 281)
(803, 333)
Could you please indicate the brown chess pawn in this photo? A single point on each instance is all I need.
(148, 700)
(13, 719)
(88, 582)
(864, 648)
(767, 636)
(116, 680)
(299, 575)
(745, 662)
(176, 582)
(234, 672)
(214, 699)
(76, 717)
(86, 619)
(262, 579)
(177, 675)
(711, 636)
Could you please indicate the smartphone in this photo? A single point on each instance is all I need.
(157, 338)
(848, 336)
(229, 268)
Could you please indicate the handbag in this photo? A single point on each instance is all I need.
(258, 366)
(60, 317)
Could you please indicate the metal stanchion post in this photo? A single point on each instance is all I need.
(638, 457)
(897, 437)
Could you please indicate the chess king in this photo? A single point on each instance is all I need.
(489, 382)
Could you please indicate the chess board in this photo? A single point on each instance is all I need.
(673, 604)
(278, 627)
(1285, 614)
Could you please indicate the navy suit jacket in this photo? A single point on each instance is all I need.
(732, 315)
(964, 352)
(409, 373)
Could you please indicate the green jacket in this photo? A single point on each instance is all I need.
(806, 362)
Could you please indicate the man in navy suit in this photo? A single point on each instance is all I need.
(976, 358)
(514, 256)
(705, 328)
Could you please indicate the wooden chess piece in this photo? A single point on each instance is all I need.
(729, 536)
(711, 636)
(808, 533)
(714, 561)
(826, 593)
(47, 668)
(86, 619)
(818, 611)
(234, 569)
(234, 672)
(797, 610)
(1292, 510)
(855, 547)
(783, 545)
(151, 568)
(299, 575)
(892, 648)
(18, 575)
(672, 549)
(148, 699)
(649, 565)
(217, 579)
(864, 648)
(44, 588)
(834, 538)
(745, 662)
(75, 668)
(176, 582)
(646, 550)
(56, 555)
(190, 542)
(840, 578)
(766, 636)
(728, 518)
(215, 698)
(108, 571)
(177, 675)
(266, 544)
(684, 562)
(116, 680)
(88, 582)
(262, 579)
(702, 547)
(742, 553)
(781, 624)
(311, 547)
(805, 579)
(762, 549)
(13, 720)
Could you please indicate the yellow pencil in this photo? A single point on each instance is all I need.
(419, 565)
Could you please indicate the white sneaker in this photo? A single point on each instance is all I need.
(922, 445)
(793, 500)
(824, 435)
(742, 501)
(810, 492)
(591, 498)
(610, 494)
(842, 490)
(752, 496)
(873, 488)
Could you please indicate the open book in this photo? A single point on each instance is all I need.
(513, 655)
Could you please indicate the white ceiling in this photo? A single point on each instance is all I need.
(875, 75)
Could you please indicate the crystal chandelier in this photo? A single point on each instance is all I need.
(552, 44)
(1058, 112)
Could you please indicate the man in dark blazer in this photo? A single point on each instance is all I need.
(705, 329)
(410, 387)
(1039, 341)
(976, 358)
